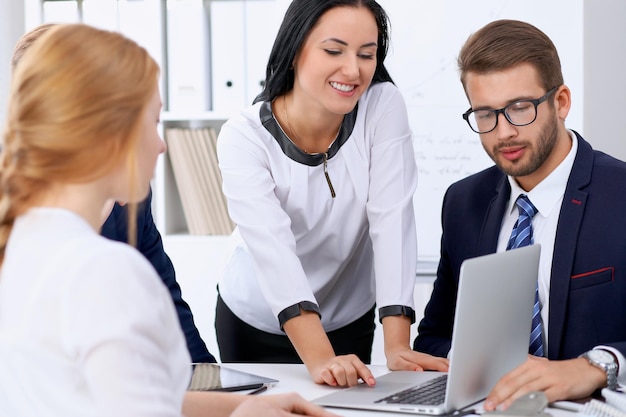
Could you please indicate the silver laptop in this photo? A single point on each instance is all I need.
(490, 337)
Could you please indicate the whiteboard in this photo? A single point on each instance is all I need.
(426, 37)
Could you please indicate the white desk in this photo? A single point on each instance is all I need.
(295, 378)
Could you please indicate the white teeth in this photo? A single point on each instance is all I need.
(342, 87)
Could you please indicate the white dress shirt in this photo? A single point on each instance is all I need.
(294, 242)
(86, 326)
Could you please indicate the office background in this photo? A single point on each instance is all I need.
(215, 60)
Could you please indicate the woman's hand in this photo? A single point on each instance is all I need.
(409, 360)
(400, 356)
(342, 371)
(280, 405)
(311, 342)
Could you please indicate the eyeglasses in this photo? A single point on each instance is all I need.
(520, 113)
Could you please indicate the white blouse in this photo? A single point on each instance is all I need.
(86, 326)
(294, 242)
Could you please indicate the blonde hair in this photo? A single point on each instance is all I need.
(76, 99)
(26, 41)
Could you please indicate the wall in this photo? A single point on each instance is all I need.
(604, 69)
(11, 28)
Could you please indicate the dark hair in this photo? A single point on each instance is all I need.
(299, 19)
(503, 44)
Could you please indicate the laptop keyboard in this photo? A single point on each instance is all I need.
(430, 393)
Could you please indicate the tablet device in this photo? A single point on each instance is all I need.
(214, 377)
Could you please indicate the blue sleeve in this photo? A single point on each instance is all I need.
(149, 243)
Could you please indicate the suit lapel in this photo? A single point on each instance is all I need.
(488, 242)
(570, 219)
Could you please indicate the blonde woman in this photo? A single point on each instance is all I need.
(86, 326)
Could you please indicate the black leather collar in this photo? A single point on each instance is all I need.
(295, 153)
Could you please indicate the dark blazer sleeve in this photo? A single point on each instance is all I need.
(149, 243)
(435, 329)
(471, 215)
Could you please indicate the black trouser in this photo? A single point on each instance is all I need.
(240, 342)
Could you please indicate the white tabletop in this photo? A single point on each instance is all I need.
(295, 378)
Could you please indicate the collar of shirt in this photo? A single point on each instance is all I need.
(548, 192)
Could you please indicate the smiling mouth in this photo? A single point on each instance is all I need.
(342, 87)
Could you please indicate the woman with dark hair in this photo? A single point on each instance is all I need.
(319, 174)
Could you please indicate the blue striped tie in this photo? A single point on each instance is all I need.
(522, 235)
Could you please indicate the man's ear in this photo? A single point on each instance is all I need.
(563, 101)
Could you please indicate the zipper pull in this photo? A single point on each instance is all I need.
(330, 184)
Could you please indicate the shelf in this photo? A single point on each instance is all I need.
(167, 206)
(194, 120)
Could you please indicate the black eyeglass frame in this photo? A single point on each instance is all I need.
(536, 102)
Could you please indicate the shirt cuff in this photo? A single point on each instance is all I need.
(294, 311)
(396, 310)
(621, 363)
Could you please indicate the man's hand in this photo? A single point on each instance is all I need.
(559, 380)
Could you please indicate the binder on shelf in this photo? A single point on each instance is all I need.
(228, 77)
(238, 66)
(192, 153)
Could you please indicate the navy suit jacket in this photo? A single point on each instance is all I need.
(588, 278)
(150, 245)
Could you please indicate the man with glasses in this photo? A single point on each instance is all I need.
(572, 201)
